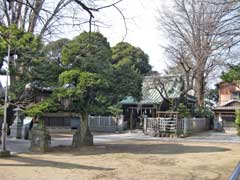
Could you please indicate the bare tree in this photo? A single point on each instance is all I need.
(200, 35)
(46, 17)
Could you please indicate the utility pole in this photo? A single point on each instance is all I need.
(4, 152)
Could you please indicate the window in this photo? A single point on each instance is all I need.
(236, 95)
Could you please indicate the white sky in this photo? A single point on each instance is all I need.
(142, 28)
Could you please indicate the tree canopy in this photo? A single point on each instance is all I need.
(233, 75)
(125, 53)
(89, 52)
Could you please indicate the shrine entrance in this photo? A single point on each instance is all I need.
(134, 115)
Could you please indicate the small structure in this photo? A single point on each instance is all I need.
(152, 100)
(229, 102)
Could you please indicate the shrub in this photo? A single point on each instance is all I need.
(40, 108)
(204, 112)
(183, 110)
(237, 121)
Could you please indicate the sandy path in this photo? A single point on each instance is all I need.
(131, 160)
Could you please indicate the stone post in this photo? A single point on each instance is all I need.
(16, 128)
(185, 126)
(120, 123)
(144, 124)
(41, 140)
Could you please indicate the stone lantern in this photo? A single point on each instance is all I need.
(16, 128)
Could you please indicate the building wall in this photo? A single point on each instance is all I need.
(226, 90)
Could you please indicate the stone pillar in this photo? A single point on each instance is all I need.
(144, 124)
(16, 128)
(185, 126)
(40, 138)
(120, 123)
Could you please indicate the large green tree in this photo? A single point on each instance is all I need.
(126, 81)
(130, 64)
(45, 72)
(87, 93)
(124, 53)
(53, 50)
(25, 51)
(85, 82)
(89, 52)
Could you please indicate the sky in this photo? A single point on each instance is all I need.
(142, 28)
(142, 25)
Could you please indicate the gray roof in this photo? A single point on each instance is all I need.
(169, 85)
(233, 104)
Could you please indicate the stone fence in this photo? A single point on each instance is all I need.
(105, 123)
(66, 122)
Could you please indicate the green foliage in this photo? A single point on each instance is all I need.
(126, 81)
(27, 48)
(40, 108)
(115, 109)
(125, 53)
(233, 75)
(237, 120)
(89, 52)
(53, 50)
(183, 110)
(1, 110)
(130, 64)
(45, 73)
(86, 90)
(203, 112)
(212, 94)
(69, 77)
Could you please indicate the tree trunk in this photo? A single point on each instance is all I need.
(34, 16)
(200, 86)
(83, 136)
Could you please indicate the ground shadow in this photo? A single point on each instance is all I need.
(139, 149)
(27, 161)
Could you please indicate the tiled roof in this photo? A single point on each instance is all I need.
(150, 94)
(227, 108)
(228, 105)
(129, 100)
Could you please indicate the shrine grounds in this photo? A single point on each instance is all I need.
(127, 158)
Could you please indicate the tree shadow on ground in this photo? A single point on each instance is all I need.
(27, 161)
(139, 149)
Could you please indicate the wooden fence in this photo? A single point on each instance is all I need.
(168, 125)
(174, 125)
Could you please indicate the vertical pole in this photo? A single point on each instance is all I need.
(144, 124)
(131, 119)
(4, 125)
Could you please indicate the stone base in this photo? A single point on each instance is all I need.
(40, 140)
(79, 142)
(5, 154)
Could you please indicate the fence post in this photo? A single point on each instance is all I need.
(110, 121)
(99, 119)
(144, 124)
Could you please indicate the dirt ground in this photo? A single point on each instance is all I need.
(131, 160)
